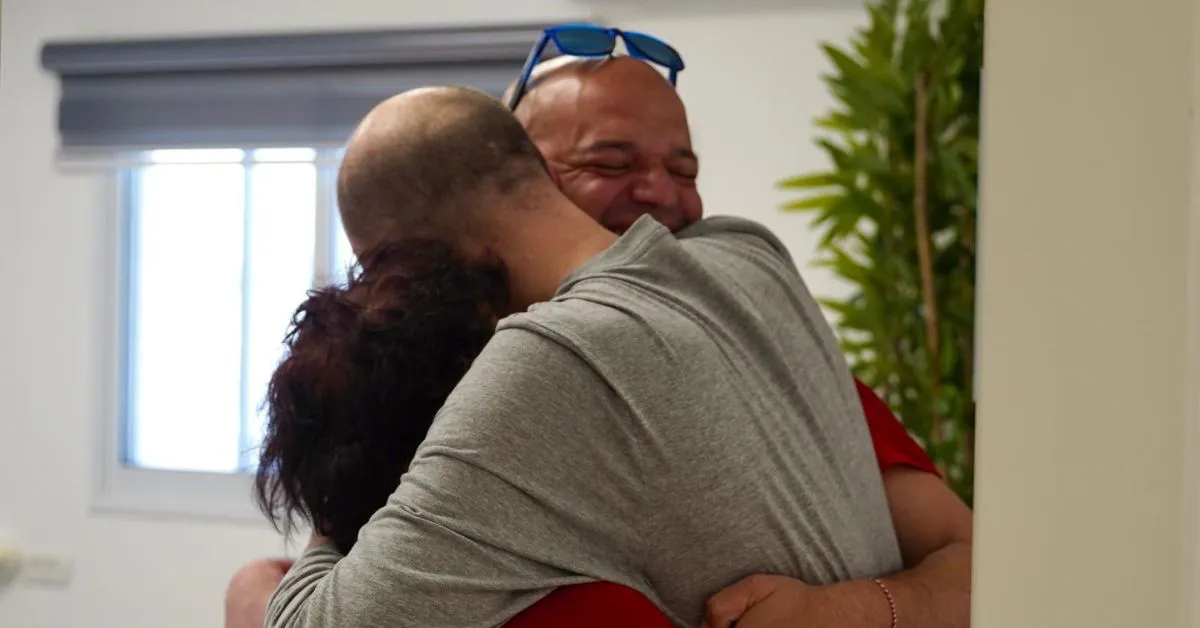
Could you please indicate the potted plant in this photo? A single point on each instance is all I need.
(897, 210)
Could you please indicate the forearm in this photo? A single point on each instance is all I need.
(298, 600)
(249, 591)
(936, 593)
(419, 566)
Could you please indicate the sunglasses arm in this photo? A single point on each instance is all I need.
(534, 55)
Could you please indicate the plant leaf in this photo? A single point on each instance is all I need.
(818, 180)
(811, 202)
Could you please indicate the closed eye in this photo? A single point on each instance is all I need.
(609, 168)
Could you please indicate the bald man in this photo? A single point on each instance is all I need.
(673, 414)
(615, 134)
(616, 137)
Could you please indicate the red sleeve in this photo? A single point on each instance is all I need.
(893, 446)
(592, 605)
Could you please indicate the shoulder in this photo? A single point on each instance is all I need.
(616, 349)
(522, 360)
(575, 322)
(736, 231)
(525, 372)
(530, 396)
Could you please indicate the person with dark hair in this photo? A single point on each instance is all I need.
(662, 413)
(368, 366)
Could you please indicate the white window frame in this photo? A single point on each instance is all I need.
(121, 489)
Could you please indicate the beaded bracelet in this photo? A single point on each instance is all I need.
(890, 600)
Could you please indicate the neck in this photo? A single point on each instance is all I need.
(542, 249)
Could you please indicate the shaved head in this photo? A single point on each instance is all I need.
(424, 162)
(564, 77)
(615, 135)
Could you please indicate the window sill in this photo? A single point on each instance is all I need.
(228, 497)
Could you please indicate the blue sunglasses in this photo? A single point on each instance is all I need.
(589, 40)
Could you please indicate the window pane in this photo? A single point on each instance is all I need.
(343, 255)
(270, 155)
(282, 234)
(222, 255)
(186, 308)
(196, 156)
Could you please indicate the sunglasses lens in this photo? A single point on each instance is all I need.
(583, 42)
(656, 50)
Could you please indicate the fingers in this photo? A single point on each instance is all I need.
(729, 604)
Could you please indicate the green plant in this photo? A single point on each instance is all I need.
(897, 211)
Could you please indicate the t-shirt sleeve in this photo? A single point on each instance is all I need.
(528, 480)
(894, 447)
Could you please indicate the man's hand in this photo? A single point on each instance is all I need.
(779, 601)
(249, 591)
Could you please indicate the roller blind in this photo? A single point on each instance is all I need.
(299, 89)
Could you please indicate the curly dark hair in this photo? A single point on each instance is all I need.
(368, 366)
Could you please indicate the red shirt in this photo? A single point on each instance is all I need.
(893, 446)
(605, 605)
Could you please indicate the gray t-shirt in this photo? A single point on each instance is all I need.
(677, 417)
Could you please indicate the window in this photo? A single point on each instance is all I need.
(215, 249)
(221, 247)
(223, 154)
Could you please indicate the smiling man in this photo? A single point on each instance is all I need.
(616, 136)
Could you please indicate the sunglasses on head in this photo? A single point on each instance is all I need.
(589, 40)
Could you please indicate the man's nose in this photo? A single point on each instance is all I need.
(655, 187)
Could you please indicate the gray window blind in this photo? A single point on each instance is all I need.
(304, 89)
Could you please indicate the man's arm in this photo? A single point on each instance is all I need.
(935, 531)
(933, 527)
(500, 505)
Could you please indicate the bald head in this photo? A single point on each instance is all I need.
(565, 78)
(426, 161)
(615, 135)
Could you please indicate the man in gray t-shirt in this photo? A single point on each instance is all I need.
(673, 413)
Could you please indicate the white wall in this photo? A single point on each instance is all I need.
(1088, 396)
(751, 87)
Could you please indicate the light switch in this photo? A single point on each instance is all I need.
(41, 568)
(47, 569)
(10, 566)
